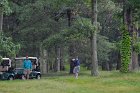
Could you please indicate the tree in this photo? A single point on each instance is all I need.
(134, 66)
(1, 18)
(7, 47)
(4, 8)
(94, 70)
(128, 53)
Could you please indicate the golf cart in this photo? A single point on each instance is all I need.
(20, 71)
(13, 70)
(5, 69)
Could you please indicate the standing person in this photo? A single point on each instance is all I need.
(27, 65)
(72, 65)
(76, 67)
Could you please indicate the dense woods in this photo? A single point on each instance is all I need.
(104, 34)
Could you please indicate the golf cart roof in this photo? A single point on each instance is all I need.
(5, 58)
(25, 58)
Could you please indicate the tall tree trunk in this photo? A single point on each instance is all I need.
(94, 68)
(41, 59)
(58, 58)
(133, 33)
(135, 65)
(105, 66)
(110, 66)
(62, 67)
(1, 18)
(128, 21)
(43, 63)
(128, 24)
(118, 61)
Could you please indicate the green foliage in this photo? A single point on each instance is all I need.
(0, 59)
(134, 3)
(125, 51)
(55, 40)
(104, 48)
(8, 47)
(77, 31)
(109, 6)
(118, 45)
(85, 25)
(83, 28)
(136, 47)
(5, 5)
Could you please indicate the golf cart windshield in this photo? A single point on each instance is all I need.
(19, 62)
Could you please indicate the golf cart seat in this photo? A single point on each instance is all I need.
(4, 68)
(5, 64)
(34, 67)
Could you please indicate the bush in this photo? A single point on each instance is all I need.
(125, 51)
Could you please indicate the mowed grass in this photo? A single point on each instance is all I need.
(107, 82)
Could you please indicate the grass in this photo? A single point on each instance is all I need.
(107, 82)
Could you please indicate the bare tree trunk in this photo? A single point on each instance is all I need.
(118, 61)
(41, 59)
(94, 68)
(62, 67)
(1, 18)
(105, 66)
(58, 58)
(43, 62)
(135, 65)
(48, 62)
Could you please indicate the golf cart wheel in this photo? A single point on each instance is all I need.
(10, 78)
(38, 76)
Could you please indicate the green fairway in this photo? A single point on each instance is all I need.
(107, 82)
